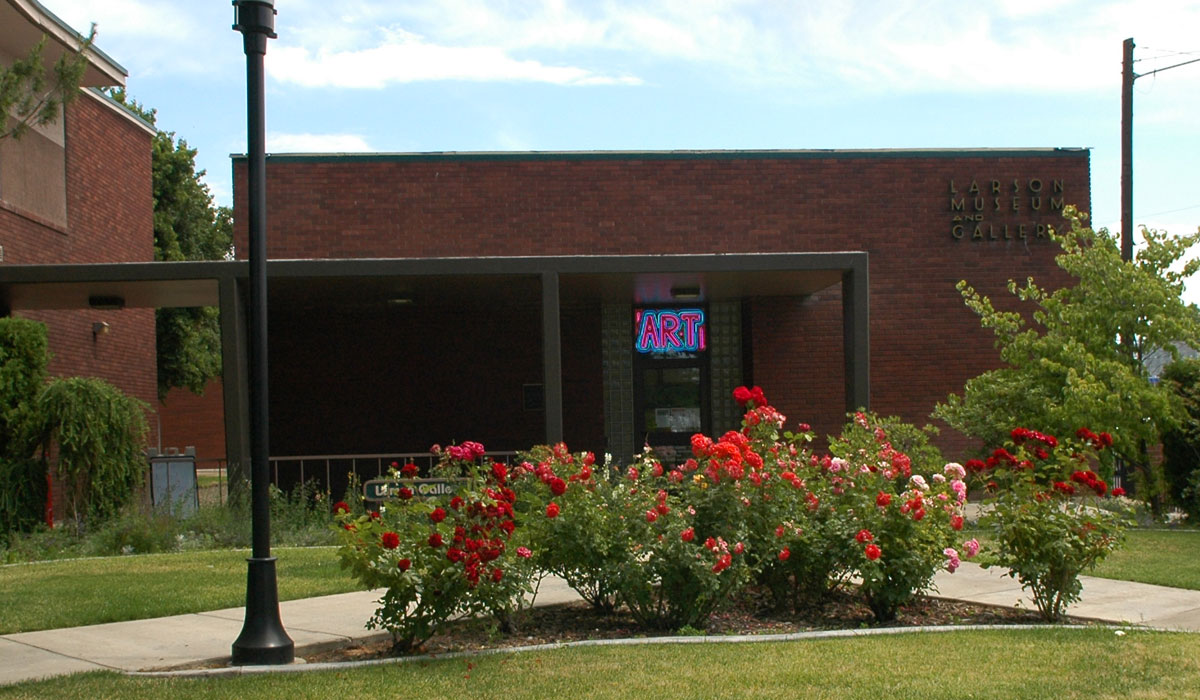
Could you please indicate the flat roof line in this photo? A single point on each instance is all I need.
(698, 154)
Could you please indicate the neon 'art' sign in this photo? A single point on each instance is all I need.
(669, 330)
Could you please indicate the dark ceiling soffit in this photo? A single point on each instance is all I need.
(161, 283)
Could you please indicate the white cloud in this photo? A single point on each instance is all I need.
(855, 45)
(316, 143)
(404, 57)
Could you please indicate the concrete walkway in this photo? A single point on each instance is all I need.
(316, 624)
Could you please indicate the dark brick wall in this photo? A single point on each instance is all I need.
(195, 420)
(896, 206)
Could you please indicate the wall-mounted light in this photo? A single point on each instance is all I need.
(109, 302)
(99, 328)
(685, 293)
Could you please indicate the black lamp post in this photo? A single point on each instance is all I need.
(263, 639)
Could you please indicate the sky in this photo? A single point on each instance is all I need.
(551, 75)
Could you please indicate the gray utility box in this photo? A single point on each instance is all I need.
(173, 482)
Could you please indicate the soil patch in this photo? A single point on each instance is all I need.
(748, 614)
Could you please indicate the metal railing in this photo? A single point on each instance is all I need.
(300, 469)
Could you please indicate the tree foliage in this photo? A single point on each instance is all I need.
(1181, 445)
(1079, 362)
(30, 96)
(23, 358)
(187, 226)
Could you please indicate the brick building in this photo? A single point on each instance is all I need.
(79, 191)
(511, 298)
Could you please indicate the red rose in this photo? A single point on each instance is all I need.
(741, 395)
(456, 502)
(435, 540)
(409, 470)
(688, 535)
(804, 427)
(918, 514)
(723, 562)
(872, 551)
(404, 564)
(864, 536)
(552, 510)
(1118, 492)
(340, 507)
(499, 471)
(438, 515)
(784, 554)
(390, 540)
(883, 499)
(557, 486)
(497, 574)
(956, 522)
(651, 516)
(405, 493)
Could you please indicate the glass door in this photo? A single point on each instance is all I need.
(670, 379)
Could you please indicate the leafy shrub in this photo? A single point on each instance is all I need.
(1047, 527)
(99, 433)
(136, 530)
(582, 542)
(906, 522)
(451, 554)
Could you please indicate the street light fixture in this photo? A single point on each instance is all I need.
(263, 640)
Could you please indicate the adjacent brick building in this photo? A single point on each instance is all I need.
(79, 191)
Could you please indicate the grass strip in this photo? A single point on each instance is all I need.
(72, 593)
(1054, 664)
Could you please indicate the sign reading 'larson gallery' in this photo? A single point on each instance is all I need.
(993, 210)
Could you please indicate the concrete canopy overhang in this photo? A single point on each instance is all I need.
(346, 284)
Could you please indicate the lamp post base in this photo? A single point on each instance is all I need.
(263, 640)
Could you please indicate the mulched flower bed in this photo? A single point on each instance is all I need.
(746, 615)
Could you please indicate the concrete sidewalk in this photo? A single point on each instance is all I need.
(315, 624)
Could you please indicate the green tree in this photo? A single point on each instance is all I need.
(187, 226)
(30, 96)
(1079, 363)
(23, 359)
(1181, 445)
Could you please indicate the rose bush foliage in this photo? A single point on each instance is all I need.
(1046, 520)
(460, 553)
(671, 542)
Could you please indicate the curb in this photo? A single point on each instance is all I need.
(301, 666)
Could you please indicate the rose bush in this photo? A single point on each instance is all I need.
(570, 525)
(671, 542)
(907, 524)
(443, 556)
(635, 539)
(1047, 524)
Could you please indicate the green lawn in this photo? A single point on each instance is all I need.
(70, 593)
(1056, 664)
(1162, 557)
